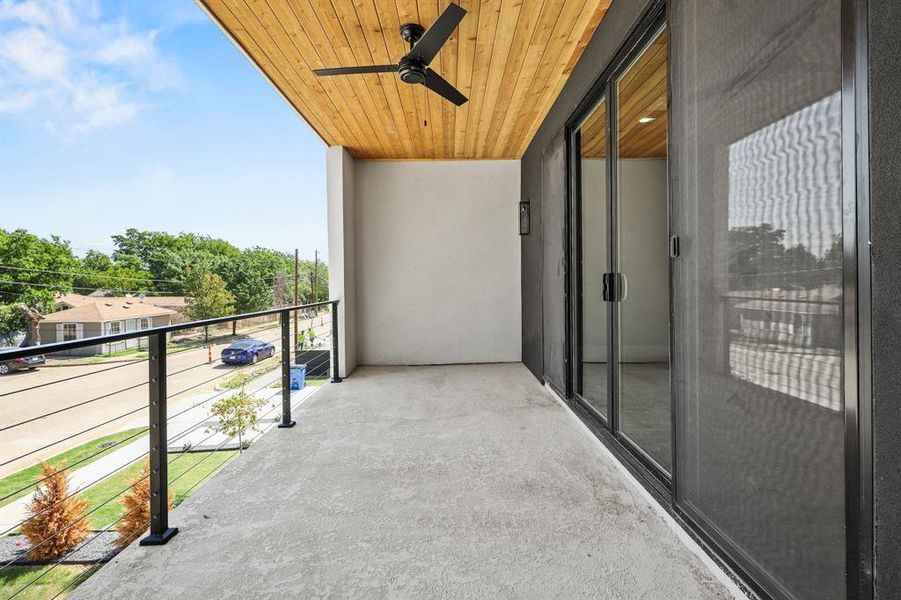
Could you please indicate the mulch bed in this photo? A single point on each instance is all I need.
(96, 548)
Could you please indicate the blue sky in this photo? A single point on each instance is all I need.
(140, 113)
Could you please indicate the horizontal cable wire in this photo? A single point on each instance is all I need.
(65, 379)
(93, 510)
(208, 455)
(117, 495)
(70, 467)
(104, 396)
(96, 535)
(59, 441)
(215, 360)
(261, 433)
(213, 397)
(64, 409)
(214, 433)
(197, 385)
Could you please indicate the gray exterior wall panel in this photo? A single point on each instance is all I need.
(537, 333)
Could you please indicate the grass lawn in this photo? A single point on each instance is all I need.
(308, 382)
(24, 477)
(179, 463)
(48, 586)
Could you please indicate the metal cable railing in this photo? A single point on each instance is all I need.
(105, 467)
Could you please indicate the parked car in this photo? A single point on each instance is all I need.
(245, 352)
(20, 364)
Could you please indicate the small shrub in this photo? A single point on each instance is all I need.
(236, 381)
(236, 414)
(61, 525)
(137, 499)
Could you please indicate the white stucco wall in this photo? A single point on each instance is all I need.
(342, 269)
(437, 262)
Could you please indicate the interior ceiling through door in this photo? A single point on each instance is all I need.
(642, 117)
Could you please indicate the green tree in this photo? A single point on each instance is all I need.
(100, 272)
(209, 298)
(34, 268)
(236, 415)
(169, 257)
(11, 320)
(249, 278)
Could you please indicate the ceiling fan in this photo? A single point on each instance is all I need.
(414, 66)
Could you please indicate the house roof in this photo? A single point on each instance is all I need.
(97, 312)
(164, 301)
(511, 59)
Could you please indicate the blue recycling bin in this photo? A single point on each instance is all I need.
(298, 376)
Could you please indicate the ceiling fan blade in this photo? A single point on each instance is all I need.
(433, 39)
(356, 70)
(440, 86)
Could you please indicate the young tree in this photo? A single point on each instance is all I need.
(236, 415)
(209, 299)
(137, 509)
(56, 525)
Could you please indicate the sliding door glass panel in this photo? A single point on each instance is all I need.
(642, 235)
(757, 167)
(593, 210)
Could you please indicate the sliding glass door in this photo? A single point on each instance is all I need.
(759, 289)
(621, 309)
(641, 235)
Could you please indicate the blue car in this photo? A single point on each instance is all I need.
(245, 352)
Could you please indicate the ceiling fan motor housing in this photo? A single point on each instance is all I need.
(411, 32)
(411, 71)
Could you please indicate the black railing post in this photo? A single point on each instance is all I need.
(160, 532)
(287, 347)
(336, 367)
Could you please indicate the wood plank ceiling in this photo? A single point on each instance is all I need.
(509, 57)
(641, 93)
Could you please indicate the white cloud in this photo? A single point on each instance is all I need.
(75, 70)
(18, 102)
(32, 54)
(127, 49)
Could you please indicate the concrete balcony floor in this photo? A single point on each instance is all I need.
(419, 482)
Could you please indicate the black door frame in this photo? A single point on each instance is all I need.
(857, 325)
(605, 89)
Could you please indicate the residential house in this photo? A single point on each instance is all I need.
(106, 316)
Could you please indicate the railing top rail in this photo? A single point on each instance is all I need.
(24, 352)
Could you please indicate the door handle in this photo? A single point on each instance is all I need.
(615, 287)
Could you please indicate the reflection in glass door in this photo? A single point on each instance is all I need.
(592, 207)
(642, 254)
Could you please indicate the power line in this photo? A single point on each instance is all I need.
(89, 289)
(89, 275)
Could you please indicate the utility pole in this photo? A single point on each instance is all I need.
(296, 291)
(316, 278)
